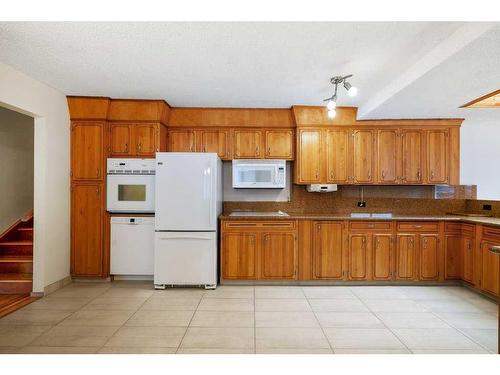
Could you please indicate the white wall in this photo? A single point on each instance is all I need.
(16, 166)
(480, 154)
(51, 183)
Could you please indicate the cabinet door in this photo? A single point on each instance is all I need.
(358, 257)
(362, 154)
(87, 142)
(490, 268)
(279, 256)
(279, 144)
(309, 156)
(120, 139)
(429, 257)
(382, 256)
(468, 259)
(437, 156)
(86, 230)
(337, 157)
(412, 156)
(405, 256)
(247, 144)
(146, 140)
(388, 156)
(327, 250)
(239, 255)
(181, 141)
(215, 141)
(453, 248)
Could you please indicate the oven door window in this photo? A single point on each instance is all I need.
(255, 175)
(131, 193)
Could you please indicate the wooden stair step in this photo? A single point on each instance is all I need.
(15, 283)
(16, 247)
(16, 264)
(12, 302)
(17, 277)
(24, 234)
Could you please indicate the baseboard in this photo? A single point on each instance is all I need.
(51, 288)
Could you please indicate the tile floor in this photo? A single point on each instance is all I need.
(132, 317)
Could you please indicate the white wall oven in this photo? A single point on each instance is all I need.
(130, 185)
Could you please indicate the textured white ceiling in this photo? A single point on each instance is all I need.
(258, 64)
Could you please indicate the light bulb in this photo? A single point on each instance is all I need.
(331, 105)
(332, 113)
(352, 91)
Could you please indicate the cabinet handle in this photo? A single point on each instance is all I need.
(139, 147)
(97, 172)
(418, 174)
(126, 147)
(204, 149)
(269, 151)
(257, 150)
(369, 175)
(332, 176)
(432, 175)
(383, 174)
(417, 226)
(317, 174)
(495, 249)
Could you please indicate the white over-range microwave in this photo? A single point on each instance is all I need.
(255, 174)
(131, 185)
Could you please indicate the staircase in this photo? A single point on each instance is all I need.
(16, 257)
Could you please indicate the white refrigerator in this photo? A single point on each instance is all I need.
(188, 203)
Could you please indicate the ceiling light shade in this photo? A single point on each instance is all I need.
(332, 104)
(351, 90)
(332, 113)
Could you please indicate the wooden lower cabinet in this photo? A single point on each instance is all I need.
(382, 255)
(406, 257)
(490, 267)
(467, 266)
(327, 250)
(239, 254)
(87, 250)
(453, 249)
(429, 256)
(358, 257)
(279, 256)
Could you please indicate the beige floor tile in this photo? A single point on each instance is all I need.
(160, 318)
(304, 319)
(226, 304)
(289, 337)
(222, 338)
(462, 292)
(133, 284)
(9, 349)
(214, 351)
(35, 317)
(361, 338)
(79, 292)
(449, 306)
(342, 292)
(377, 292)
(449, 351)
(223, 319)
(294, 351)
(180, 293)
(58, 350)
(484, 305)
(55, 303)
(339, 305)
(394, 305)
(75, 336)
(136, 350)
(14, 335)
(159, 337)
(128, 293)
(115, 303)
(411, 320)
(98, 318)
(434, 338)
(278, 304)
(229, 293)
(279, 292)
(428, 293)
(165, 303)
(349, 319)
(487, 338)
(470, 320)
(372, 351)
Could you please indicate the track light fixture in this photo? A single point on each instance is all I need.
(331, 104)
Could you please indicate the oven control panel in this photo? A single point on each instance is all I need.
(130, 166)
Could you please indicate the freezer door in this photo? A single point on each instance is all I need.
(185, 258)
(186, 191)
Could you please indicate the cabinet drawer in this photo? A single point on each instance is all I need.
(469, 229)
(278, 224)
(453, 227)
(491, 232)
(370, 225)
(418, 226)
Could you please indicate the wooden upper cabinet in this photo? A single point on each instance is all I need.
(239, 256)
(247, 144)
(146, 139)
(279, 144)
(337, 156)
(181, 141)
(362, 155)
(437, 156)
(406, 255)
(388, 156)
(215, 141)
(358, 257)
(490, 268)
(429, 257)
(382, 257)
(87, 144)
(120, 139)
(309, 162)
(327, 250)
(412, 156)
(87, 204)
(279, 255)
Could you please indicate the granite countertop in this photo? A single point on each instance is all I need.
(324, 216)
